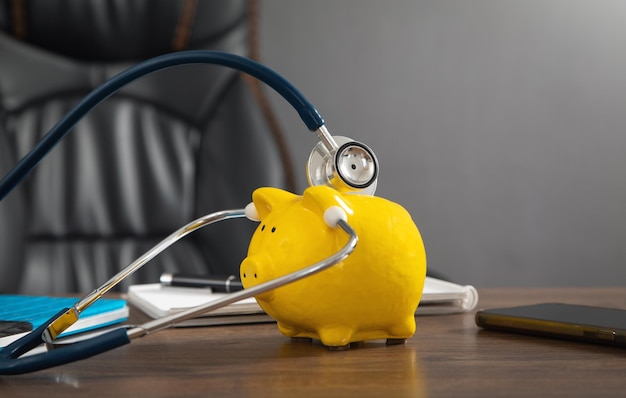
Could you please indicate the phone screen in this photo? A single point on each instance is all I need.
(575, 322)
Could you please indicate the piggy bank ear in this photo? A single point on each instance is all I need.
(322, 198)
(264, 200)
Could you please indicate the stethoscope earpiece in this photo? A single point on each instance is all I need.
(351, 167)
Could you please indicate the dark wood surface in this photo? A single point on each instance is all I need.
(448, 356)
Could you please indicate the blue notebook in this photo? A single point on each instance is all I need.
(36, 310)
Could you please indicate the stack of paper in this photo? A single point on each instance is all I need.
(156, 300)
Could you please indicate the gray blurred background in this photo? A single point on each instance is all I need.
(500, 125)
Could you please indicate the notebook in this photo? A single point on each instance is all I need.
(157, 300)
(36, 310)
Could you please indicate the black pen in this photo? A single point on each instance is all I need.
(217, 283)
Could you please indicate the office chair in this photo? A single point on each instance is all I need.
(176, 145)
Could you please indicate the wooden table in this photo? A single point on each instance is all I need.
(448, 356)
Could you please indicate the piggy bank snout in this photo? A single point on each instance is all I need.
(255, 270)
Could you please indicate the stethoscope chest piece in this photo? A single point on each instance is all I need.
(352, 167)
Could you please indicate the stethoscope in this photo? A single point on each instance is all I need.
(339, 162)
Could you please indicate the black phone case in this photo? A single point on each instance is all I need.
(564, 321)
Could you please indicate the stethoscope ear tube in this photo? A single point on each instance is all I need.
(12, 364)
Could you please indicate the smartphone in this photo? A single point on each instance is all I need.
(567, 321)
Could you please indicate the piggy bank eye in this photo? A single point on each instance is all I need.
(263, 227)
(273, 229)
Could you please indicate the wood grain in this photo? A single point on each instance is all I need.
(448, 356)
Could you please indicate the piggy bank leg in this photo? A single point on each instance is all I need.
(401, 331)
(336, 338)
(288, 331)
(293, 333)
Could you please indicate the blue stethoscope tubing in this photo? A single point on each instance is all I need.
(308, 113)
(12, 364)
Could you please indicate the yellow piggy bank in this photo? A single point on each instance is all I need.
(372, 294)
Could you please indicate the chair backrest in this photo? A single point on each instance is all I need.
(171, 147)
